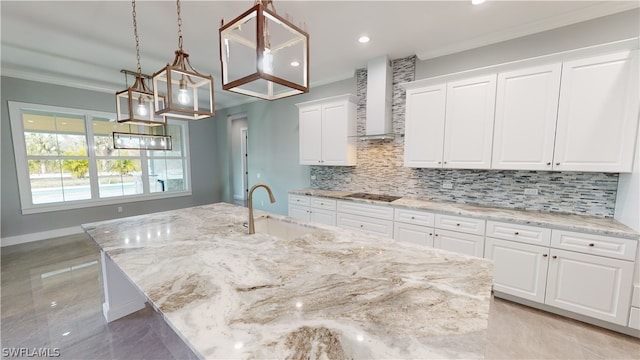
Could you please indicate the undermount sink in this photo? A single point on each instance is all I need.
(281, 229)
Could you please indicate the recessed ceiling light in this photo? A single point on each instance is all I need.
(295, 63)
(363, 39)
(477, 2)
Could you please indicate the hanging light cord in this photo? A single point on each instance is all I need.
(135, 32)
(179, 25)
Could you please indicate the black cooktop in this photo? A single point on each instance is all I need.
(376, 197)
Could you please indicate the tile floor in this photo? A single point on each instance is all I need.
(51, 296)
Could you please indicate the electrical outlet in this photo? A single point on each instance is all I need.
(313, 177)
(447, 185)
(258, 175)
(119, 209)
(531, 191)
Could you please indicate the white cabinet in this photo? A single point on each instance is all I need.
(309, 208)
(518, 269)
(584, 273)
(459, 234)
(525, 120)
(424, 126)
(595, 286)
(414, 227)
(468, 133)
(327, 131)
(598, 113)
(365, 217)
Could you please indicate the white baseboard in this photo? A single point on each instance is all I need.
(26, 238)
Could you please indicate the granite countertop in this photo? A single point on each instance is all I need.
(582, 223)
(330, 293)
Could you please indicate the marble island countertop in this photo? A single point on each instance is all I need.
(582, 223)
(320, 293)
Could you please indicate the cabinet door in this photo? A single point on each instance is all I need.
(424, 127)
(334, 133)
(459, 242)
(416, 234)
(468, 130)
(595, 286)
(598, 114)
(525, 121)
(310, 121)
(322, 216)
(299, 212)
(518, 269)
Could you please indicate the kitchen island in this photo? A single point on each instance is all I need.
(294, 289)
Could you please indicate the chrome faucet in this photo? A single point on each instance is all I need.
(252, 229)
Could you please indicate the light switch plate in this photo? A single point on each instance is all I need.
(447, 185)
(531, 191)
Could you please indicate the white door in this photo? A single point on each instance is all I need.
(525, 121)
(459, 242)
(424, 127)
(299, 212)
(468, 125)
(310, 123)
(518, 269)
(322, 216)
(416, 234)
(595, 286)
(598, 113)
(334, 133)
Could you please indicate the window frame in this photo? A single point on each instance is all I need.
(22, 167)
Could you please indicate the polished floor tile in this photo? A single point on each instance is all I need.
(52, 297)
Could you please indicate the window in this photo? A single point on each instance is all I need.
(65, 159)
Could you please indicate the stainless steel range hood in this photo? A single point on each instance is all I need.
(379, 99)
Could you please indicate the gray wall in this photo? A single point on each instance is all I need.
(273, 144)
(206, 182)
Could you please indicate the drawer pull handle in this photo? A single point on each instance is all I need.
(592, 244)
(555, 257)
(544, 255)
(436, 234)
(558, 163)
(548, 163)
(517, 233)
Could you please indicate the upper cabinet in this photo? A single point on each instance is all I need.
(327, 131)
(424, 126)
(579, 115)
(450, 125)
(598, 113)
(468, 123)
(525, 121)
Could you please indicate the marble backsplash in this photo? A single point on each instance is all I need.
(380, 170)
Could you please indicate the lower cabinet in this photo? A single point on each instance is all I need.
(575, 280)
(314, 209)
(459, 242)
(591, 285)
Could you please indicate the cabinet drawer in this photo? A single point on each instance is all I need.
(459, 242)
(520, 233)
(323, 203)
(380, 212)
(461, 224)
(618, 248)
(298, 199)
(375, 226)
(414, 217)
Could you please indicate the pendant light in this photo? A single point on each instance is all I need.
(263, 54)
(135, 105)
(179, 90)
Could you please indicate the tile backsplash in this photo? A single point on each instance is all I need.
(380, 170)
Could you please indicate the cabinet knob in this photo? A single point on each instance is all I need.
(558, 163)
(436, 234)
(361, 225)
(445, 162)
(439, 162)
(430, 234)
(517, 233)
(412, 218)
(548, 163)
(545, 255)
(457, 224)
(555, 257)
(592, 244)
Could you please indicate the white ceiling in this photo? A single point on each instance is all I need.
(85, 43)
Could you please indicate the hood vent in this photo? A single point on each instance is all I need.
(379, 98)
